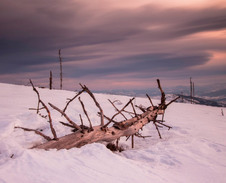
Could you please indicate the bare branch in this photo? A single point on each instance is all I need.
(95, 101)
(50, 120)
(141, 136)
(118, 112)
(163, 124)
(117, 109)
(36, 131)
(150, 100)
(81, 122)
(65, 124)
(84, 110)
(108, 118)
(47, 110)
(61, 72)
(70, 100)
(141, 108)
(36, 91)
(156, 126)
(163, 98)
(68, 119)
(172, 101)
(134, 109)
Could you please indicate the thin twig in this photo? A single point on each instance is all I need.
(50, 119)
(163, 124)
(67, 118)
(70, 100)
(36, 131)
(141, 136)
(81, 122)
(172, 101)
(47, 110)
(118, 112)
(108, 118)
(84, 110)
(84, 87)
(150, 100)
(117, 109)
(134, 109)
(141, 108)
(163, 98)
(36, 91)
(66, 124)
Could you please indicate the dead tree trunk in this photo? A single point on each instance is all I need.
(61, 70)
(50, 80)
(102, 133)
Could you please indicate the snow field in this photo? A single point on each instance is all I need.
(194, 150)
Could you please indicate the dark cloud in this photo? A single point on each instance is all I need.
(144, 64)
(143, 39)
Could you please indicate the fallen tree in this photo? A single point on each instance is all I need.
(83, 135)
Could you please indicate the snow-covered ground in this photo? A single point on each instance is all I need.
(193, 151)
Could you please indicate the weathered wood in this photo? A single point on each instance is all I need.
(149, 98)
(50, 80)
(70, 100)
(118, 112)
(83, 135)
(61, 70)
(79, 139)
(46, 108)
(36, 131)
(38, 95)
(65, 115)
(85, 112)
(117, 109)
(84, 87)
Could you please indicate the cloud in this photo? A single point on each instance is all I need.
(99, 39)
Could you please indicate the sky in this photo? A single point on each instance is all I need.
(113, 44)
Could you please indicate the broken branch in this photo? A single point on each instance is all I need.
(67, 118)
(36, 131)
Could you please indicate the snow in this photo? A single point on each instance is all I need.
(194, 150)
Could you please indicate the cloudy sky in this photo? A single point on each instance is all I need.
(113, 44)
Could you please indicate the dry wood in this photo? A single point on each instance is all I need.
(77, 139)
(163, 97)
(141, 136)
(85, 112)
(141, 108)
(66, 124)
(117, 109)
(47, 110)
(50, 80)
(36, 91)
(150, 100)
(84, 87)
(173, 101)
(36, 131)
(82, 135)
(65, 115)
(118, 112)
(61, 70)
(132, 141)
(70, 100)
(108, 118)
(134, 109)
(50, 120)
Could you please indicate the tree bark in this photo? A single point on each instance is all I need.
(83, 135)
(125, 128)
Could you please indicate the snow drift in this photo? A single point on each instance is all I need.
(194, 150)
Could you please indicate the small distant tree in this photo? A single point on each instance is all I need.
(61, 72)
(192, 90)
(50, 80)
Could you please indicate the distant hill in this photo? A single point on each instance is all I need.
(199, 100)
